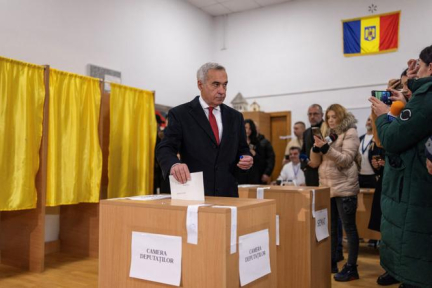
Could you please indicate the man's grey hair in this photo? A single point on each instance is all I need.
(203, 70)
(317, 106)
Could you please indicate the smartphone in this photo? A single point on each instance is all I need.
(316, 131)
(383, 96)
(287, 157)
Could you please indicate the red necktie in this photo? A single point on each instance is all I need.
(213, 124)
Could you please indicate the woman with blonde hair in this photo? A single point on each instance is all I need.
(339, 171)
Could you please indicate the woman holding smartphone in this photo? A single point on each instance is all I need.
(339, 171)
(406, 201)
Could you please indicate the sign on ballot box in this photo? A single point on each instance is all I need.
(321, 224)
(156, 258)
(254, 256)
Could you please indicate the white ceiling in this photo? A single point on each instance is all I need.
(224, 7)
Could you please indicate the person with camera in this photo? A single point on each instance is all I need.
(299, 128)
(339, 171)
(315, 116)
(406, 233)
(292, 172)
(402, 94)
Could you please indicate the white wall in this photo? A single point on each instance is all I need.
(156, 44)
(297, 46)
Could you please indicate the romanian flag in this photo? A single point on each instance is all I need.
(371, 35)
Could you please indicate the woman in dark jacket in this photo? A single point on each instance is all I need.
(253, 175)
(406, 201)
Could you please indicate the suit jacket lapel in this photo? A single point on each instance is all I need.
(197, 112)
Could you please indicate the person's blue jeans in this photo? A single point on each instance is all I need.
(346, 208)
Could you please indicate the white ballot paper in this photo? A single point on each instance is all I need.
(191, 190)
(156, 258)
(254, 256)
(321, 224)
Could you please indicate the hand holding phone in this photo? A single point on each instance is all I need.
(316, 131)
(383, 96)
(378, 107)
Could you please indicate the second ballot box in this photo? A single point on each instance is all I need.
(209, 263)
(302, 261)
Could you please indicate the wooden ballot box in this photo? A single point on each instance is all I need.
(302, 261)
(364, 208)
(207, 264)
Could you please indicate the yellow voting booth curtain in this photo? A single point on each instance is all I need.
(22, 96)
(74, 155)
(132, 142)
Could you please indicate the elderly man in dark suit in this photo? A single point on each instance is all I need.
(208, 135)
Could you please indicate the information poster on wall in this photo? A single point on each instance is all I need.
(156, 258)
(254, 256)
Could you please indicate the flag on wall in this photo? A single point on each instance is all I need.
(371, 35)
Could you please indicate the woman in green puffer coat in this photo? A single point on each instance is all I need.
(406, 224)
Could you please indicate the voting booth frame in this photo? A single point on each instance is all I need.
(208, 264)
(302, 261)
(22, 232)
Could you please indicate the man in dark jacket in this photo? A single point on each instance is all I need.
(315, 115)
(208, 135)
